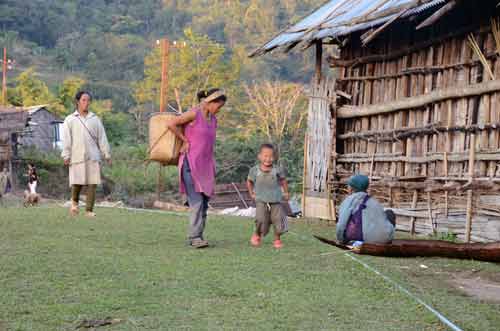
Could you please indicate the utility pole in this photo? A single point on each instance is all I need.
(164, 44)
(4, 77)
(165, 48)
(164, 73)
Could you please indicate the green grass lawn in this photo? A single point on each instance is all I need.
(56, 271)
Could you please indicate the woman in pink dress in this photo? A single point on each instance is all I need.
(197, 162)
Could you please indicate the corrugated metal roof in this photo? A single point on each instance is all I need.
(33, 109)
(338, 18)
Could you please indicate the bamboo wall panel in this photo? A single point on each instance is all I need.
(424, 148)
(319, 137)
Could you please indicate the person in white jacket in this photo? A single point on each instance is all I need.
(84, 146)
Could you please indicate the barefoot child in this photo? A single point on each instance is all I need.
(267, 185)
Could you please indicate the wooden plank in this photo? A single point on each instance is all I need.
(346, 112)
(318, 208)
(366, 39)
(437, 15)
(395, 134)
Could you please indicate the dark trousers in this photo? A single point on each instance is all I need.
(75, 195)
(198, 204)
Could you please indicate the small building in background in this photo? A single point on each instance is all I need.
(13, 123)
(44, 129)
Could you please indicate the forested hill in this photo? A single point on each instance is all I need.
(109, 48)
(108, 39)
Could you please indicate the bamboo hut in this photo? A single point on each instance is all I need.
(12, 123)
(415, 104)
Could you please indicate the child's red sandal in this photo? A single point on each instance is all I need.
(255, 240)
(278, 244)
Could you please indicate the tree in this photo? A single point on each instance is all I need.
(30, 91)
(198, 63)
(278, 112)
(68, 90)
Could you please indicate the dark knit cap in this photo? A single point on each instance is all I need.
(359, 182)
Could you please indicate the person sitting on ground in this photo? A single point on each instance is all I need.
(32, 178)
(267, 185)
(362, 218)
(31, 198)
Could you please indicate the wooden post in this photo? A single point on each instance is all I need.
(304, 177)
(178, 100)
(472, 155)
(468, 220)
(4, 77)
(469, 210)
(319, 60)
(429, 209)
(413, 206)
(159, 186)
(164, 73)
(446, 198)
(164, 43)
(332, 168)
(372, 163)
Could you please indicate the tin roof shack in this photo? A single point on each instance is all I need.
(415, 105)
(12, 124)
(44, 131)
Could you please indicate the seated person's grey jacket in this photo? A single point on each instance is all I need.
(376, 227)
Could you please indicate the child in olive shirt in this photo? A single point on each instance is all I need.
(268, 186)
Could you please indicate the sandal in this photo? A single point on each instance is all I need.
(199, 243)
(255, 240)
(73, 210)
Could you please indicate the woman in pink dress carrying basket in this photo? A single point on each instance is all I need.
(197, 162)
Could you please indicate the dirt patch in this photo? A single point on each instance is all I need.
(477, 286)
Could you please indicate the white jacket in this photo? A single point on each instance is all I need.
(84, 139)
